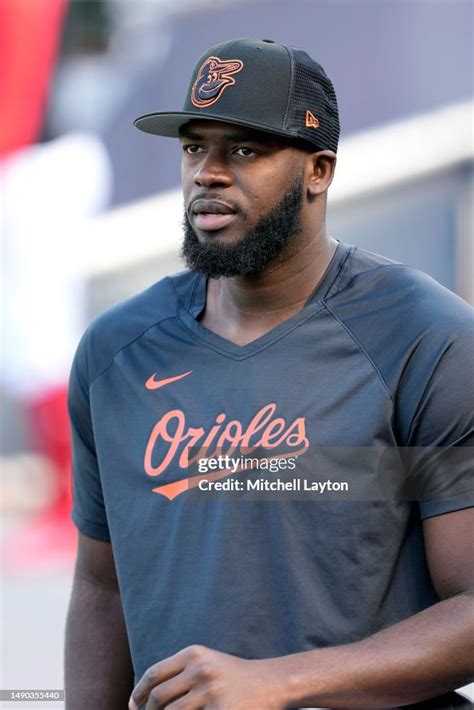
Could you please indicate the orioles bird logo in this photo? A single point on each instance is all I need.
(213, 77)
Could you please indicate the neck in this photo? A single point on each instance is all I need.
(279, 290)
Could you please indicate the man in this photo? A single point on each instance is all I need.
(286, 348)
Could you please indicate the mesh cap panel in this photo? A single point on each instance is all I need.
(312, 91)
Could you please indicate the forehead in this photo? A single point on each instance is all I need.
(223, 131)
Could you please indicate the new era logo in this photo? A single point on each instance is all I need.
(311, 121)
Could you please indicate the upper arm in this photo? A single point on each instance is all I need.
(95, 562)
(89, 511)
(449, 545)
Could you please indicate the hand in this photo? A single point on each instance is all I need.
(199, 678)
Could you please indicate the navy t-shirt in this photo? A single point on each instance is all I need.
(380, 359)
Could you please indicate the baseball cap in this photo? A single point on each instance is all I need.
(261, 84)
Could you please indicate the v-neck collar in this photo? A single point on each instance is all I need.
(239, 352)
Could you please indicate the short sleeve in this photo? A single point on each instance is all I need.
(88, 511)
(439, 457)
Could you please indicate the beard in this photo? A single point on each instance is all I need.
(261, 246)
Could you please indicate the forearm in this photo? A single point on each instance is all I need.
(98, 668)
(423, 656)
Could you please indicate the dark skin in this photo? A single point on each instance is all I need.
(252, 170)
(425, 655)
(98, 666)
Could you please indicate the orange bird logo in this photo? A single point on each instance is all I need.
(214, 76)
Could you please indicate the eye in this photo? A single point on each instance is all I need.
(246, 152)
(192, 148)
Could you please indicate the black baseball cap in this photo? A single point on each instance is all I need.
(261, 84)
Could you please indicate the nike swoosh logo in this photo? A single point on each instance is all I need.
(152, 384)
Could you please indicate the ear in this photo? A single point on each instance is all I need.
(321, 167)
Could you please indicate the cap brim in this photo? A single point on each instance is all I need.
(168, 124)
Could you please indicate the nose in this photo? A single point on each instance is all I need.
(213, 172)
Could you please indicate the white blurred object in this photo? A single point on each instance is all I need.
(26, 484)
(404, 150)
(46, 193)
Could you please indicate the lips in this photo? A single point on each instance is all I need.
(210, 215)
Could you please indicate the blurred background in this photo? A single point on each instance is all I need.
(91, 210)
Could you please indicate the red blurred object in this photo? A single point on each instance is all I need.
(50, 434)
(29, 37)
(48, 542)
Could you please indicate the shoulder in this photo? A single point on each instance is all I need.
(405, 322)
(399, 297)
(127, 321)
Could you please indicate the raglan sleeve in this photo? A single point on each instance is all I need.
(440, 441)
(88, 510)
